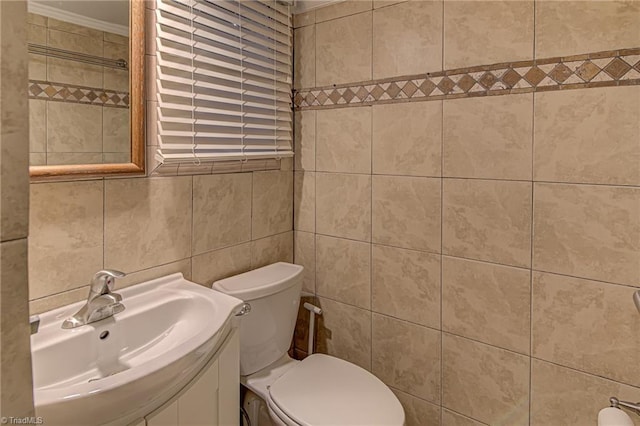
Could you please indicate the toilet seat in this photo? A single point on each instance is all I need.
(323, 390)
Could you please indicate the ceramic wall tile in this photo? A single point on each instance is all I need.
(16, 396)
(471, 36)
(340, 9)
(560, 394)
(588, 231)
(486, 302)
(407, 357)
(407, 139)
(485, 382)
(495, 140)
(145, 222)
(304, 199)
(215, 265)
(343, 270)
(406, 212)
(407, 39)
(587, 325)
(56, 158)
(272, 249)
(344, 331)
(343, 141)
(406, 285)
(451, 418)
(588, 136)
(304, 58)
(343, 205)
(272, 203)
(573, 28)
(487, 220)
(305, 255)
(115, 130)
(343, 49)
(221, 211)
(37, 126)
(417, 412)
(304, 128)
(65, 236)
(64, 134)
(304, 19)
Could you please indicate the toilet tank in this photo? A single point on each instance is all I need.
(273, 292)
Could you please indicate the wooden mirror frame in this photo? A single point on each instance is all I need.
(136, 115)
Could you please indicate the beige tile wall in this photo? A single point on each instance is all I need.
(56, 137)
(478, 255)
(206, 226)
(16, 388)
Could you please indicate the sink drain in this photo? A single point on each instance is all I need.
(104, 335)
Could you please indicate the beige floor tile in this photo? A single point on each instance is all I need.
(272, 205)
(495, 140)
(486, 302)
(487, 220)
(588, 231)
(343, 50)
(343, 142)
(485, 382)
(406, 285)
(407, 357)
(587, 325)
(147, 222)
(575, 27)
(450, 418)
(588, 136)
(407, 39)
(343, 270)
(407, 139)
(471, 36)
(406, 212)
(568, 397)
(65, 236)
(343, 205)
(344, 331)
(221, 211)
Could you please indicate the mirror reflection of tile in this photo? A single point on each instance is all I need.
(78, 112)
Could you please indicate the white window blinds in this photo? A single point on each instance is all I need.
(223, 80)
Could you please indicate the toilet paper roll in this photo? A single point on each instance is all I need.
(614, 417)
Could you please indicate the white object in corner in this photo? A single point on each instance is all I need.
(611, 416)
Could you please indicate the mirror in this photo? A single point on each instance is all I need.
(86, 80)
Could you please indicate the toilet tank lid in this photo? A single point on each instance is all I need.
(260, 282)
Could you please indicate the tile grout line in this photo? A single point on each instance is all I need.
(442, 124)
(531, 230)
(371, 202)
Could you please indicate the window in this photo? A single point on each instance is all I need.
(223, 80)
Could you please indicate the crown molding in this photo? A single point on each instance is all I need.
(74, 18)
(302, 6)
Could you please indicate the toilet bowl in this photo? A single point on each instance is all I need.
(319, 390)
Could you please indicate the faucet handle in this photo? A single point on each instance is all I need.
(105, 278)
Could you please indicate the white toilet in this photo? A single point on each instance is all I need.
(321, 390)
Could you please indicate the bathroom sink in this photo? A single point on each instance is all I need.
(121, 368)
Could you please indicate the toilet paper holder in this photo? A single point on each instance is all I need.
(616, 403)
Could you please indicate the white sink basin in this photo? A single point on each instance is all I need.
(169, 330)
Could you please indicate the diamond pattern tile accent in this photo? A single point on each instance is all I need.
(76, 94)
(617, 68)
(607, 69)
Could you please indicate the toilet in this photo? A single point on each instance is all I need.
(320, 390)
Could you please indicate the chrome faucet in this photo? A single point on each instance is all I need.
(101, 303)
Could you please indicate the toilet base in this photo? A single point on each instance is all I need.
(257, 410)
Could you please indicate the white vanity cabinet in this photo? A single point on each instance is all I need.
(211, 399)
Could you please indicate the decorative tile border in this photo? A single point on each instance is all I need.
(611, 68)
(59, 92)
